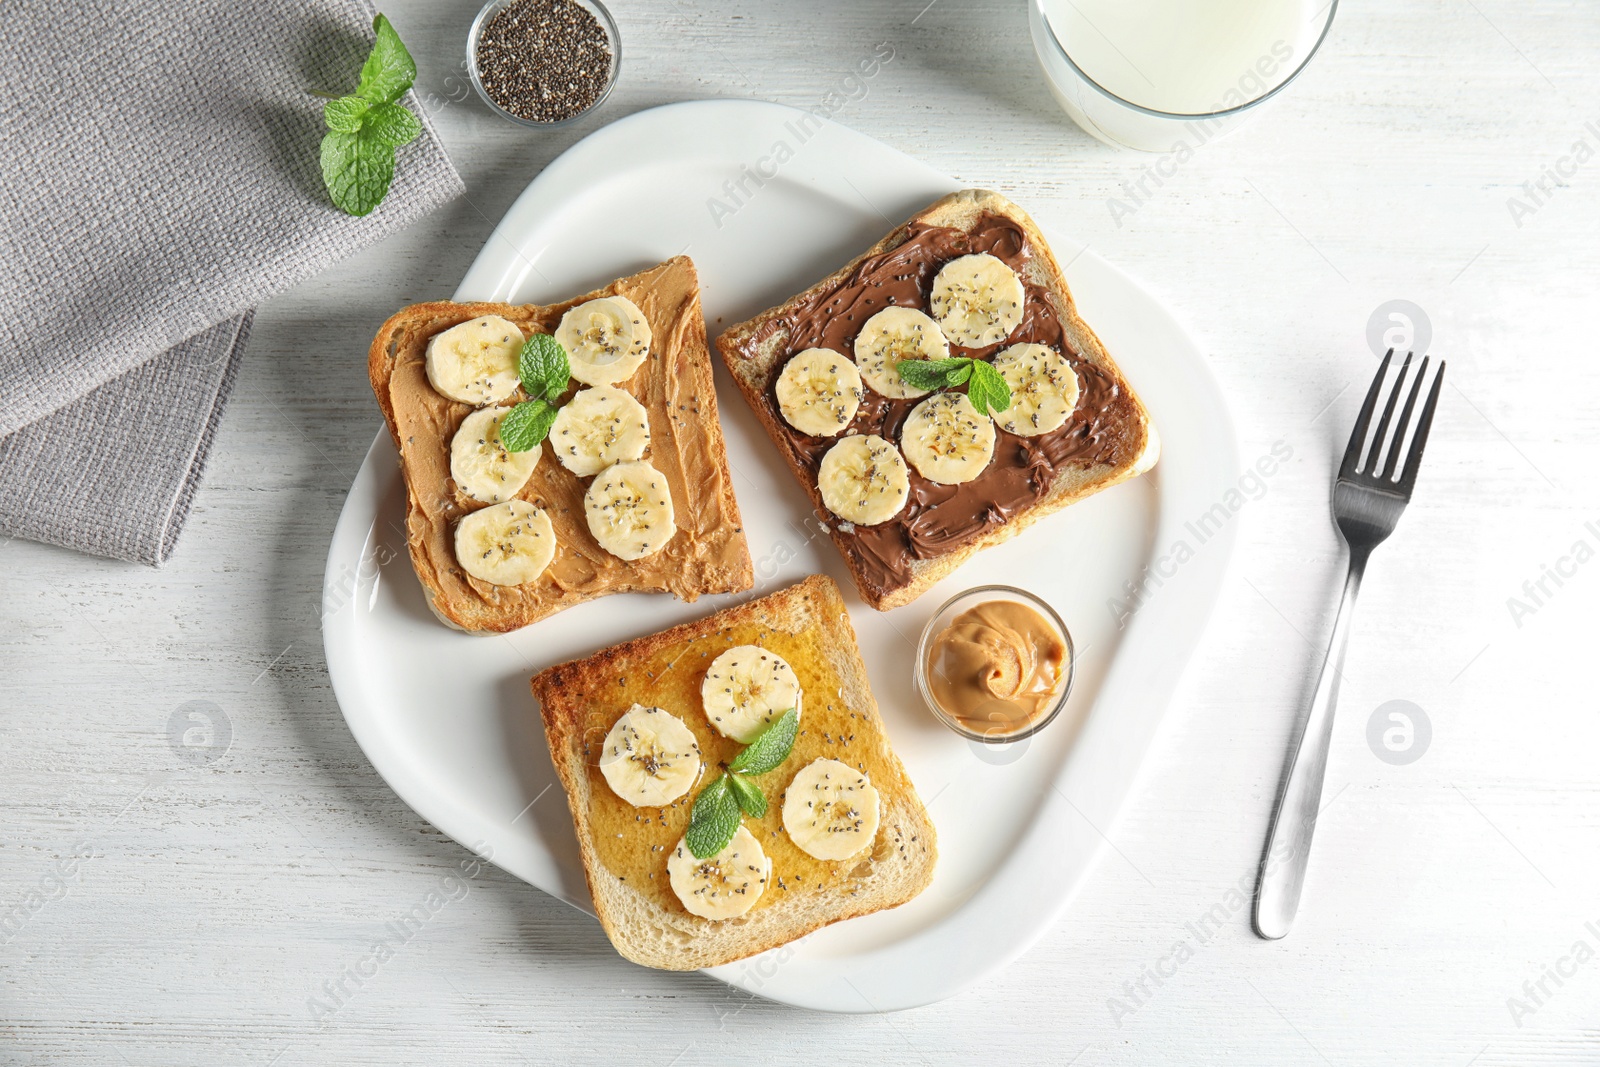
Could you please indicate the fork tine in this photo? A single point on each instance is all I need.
(1405, 419)
(1358, 436)
(1388, 413)
(1408, 477)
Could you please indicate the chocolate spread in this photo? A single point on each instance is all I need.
(937, 519)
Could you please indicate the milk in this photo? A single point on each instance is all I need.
(1180, 57)
(1185, 56)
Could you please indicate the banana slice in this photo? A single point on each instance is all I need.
(650, 757)
(725, 886)
(1044, 389)
(630, 510)
(745, 688)
(818, 392)
(890, 336)
(599, 427)
(977, 300)
(481, 465)
(506, 544)
(830, 810)
(863, 480)
(947, 440)
(476, 362)
(606, 340)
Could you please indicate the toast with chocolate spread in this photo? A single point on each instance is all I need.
(867, 384)
(501, 539)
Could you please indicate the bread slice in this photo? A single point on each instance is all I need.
(625, 849)
(1108, 439)
(708, 554)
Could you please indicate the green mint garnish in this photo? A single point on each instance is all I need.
(393, 125)
(544, 367)
(714, 819)
(771, 746)
(545, 372)
(525, 425)
(365, 128)
(389, 69)
(345, 114)
(986, 388)
(748, 794)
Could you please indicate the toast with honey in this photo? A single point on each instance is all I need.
(641, 732)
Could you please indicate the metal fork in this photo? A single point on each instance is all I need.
(1367, 502)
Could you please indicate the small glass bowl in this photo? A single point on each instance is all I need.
(493, 8)
(946, 615)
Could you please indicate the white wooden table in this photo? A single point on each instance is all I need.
(187, 914)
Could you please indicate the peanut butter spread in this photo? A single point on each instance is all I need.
(1104, 430)
(707, 553)
(997, 668)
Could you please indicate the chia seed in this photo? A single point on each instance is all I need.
(544, 60)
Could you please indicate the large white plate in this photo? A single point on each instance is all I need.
(766, 200)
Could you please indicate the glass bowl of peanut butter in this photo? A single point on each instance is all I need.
(995, 664)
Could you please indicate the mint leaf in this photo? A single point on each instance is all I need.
(713, 820)
(389, 69)
(749, 795)
(926, 373)
(366, 128)
(357, 169)
(771, 746)
(526, 425)
(544, 367)
(391, 124)
(988, 389)
(344, 115)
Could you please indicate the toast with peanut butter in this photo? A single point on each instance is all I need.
(557, 453)
(641, 731)
(880, 386)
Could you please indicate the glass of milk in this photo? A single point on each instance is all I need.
(1170, 75)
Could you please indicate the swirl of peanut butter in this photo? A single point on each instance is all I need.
(997, 668)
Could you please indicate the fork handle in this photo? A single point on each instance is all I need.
(1283, 865)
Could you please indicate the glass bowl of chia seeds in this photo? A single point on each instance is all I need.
(543, 63)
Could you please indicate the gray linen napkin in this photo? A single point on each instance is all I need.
(159, 178)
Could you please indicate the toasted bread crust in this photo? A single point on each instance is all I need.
(755, 350)
(707, 555)
(644, 919)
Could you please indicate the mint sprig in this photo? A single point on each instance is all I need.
(525, 425)
(986, 388)
(750, 797)
(770, 747)
(544, 367)
(366, 127)
(545, 371)
(389, 69)
(714, 819)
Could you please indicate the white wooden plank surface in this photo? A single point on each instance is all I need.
(208, 904)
